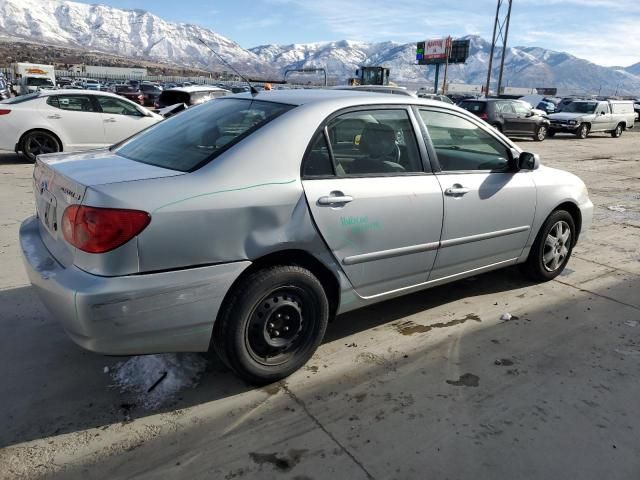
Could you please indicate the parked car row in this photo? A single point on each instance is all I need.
(578, 117)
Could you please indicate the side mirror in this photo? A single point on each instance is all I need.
(528, 161)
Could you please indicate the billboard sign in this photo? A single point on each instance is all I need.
(435, 51)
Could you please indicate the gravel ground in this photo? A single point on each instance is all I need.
(432, 385)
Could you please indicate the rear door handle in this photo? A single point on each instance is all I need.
(110, 120)
(333, 200)
(456, 190)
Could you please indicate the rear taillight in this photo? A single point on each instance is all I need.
(99, 230)
(484, 116)
(4, 111)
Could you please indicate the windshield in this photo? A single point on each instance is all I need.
(39, 82)
(581, 107)
(189, 140)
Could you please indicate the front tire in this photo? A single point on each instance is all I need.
(39, 142)
(541, 133)
(552, 248)
(617, 132)
(272, 324)
(583, 131)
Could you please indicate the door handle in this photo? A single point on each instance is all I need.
(110, 120)
(55, 116)
(456, 190)
(333, 200)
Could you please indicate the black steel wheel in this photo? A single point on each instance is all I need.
(272, 323)
(37, 143)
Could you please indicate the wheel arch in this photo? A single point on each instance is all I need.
(295, 257)
(41, 129)
(575, 213)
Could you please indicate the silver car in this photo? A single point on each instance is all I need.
(246, 223)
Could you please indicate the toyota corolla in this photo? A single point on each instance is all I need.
(245, 224)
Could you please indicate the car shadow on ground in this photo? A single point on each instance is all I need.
(52, 387)
(11, 158)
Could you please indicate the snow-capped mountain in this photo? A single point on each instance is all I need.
(142, 35)
(133, 33)
(524, 66)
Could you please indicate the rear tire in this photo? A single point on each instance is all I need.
(272, 324)
(541, 133)
(38, 142)
(618, 131)
(583, 131)
(552, 248)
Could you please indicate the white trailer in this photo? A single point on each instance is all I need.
(97, 70)
(30, 77)
(518, 91)
(464, 88)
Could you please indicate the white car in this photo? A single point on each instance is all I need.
(69, 121)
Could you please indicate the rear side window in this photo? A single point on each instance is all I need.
(374, 142)
(76, 103)
(318, 161)
(189, 140)
(474, 107)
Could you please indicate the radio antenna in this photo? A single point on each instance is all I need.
(254, 91)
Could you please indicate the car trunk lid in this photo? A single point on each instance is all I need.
(60, 180)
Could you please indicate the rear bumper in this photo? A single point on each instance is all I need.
(130, 315)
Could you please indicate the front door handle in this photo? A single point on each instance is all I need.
(335, 200)
(55, 116)
(456, 190)
(110, 120)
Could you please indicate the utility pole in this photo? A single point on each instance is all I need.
(446, 65)
(500, 32)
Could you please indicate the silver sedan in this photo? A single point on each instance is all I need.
(244, 224)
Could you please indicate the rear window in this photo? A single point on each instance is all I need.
(169, 97)
(195, 137)
(474, 107)
(21, 98)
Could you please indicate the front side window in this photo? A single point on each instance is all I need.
(374, 142)
(189, 140)
(116, 106)
(461, 145)
(76, 103)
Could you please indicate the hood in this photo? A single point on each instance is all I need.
(567, 116)
(101, 167)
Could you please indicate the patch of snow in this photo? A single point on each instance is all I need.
(631, 323)
(170, 373)
(506, 317)
(617, 208)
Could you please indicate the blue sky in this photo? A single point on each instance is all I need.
(606, 32)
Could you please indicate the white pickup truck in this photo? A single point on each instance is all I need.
(583, 117)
